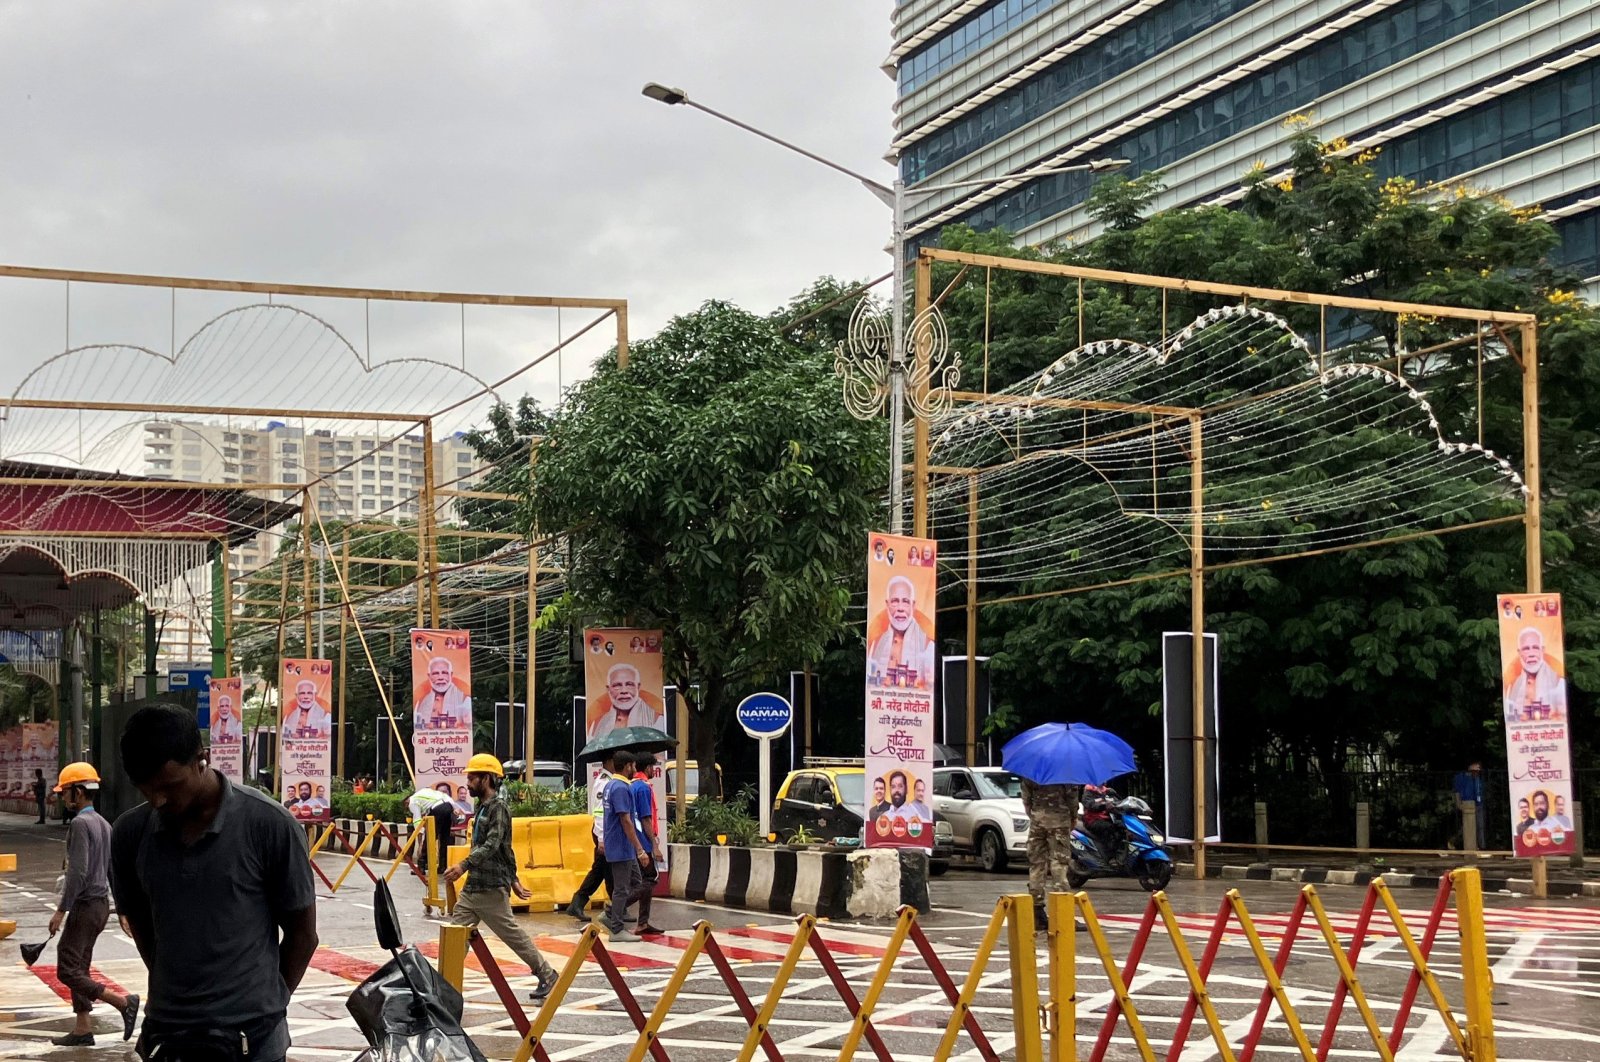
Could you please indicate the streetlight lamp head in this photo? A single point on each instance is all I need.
(1104, 165)
(664, 94)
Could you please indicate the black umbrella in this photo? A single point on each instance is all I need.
(31, 952)
(638, 738)
(947, 755)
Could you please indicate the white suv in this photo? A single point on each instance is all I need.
(984, 806)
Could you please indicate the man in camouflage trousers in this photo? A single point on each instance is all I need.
(1052, 814)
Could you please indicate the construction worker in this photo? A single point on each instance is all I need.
(85, 906)
(486, 897)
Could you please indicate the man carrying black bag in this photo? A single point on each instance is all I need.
(215, 883)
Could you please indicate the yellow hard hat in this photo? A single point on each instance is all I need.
(82, 774)
(485, 764)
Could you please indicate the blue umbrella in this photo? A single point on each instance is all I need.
(1067, 754)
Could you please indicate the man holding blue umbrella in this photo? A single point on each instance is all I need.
(1055, 761)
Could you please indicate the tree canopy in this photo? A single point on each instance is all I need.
(716, 488)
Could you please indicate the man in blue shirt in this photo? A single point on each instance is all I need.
(644, 814)
(1469, 789)
(625, 851)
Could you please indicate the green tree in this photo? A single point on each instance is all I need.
(1384, 655)
(716, 488)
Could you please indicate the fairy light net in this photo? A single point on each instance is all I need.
(1295, 459)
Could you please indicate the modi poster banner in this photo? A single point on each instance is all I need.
(1533, 689)
(305, 749)
(441, 734)
(901, 582)
(622, 681)
(226, 727)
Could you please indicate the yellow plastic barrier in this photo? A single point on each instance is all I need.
(8, 865)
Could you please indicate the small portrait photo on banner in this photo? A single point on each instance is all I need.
(441, 689)
(622, 681)
(305, 740)
(227, 727)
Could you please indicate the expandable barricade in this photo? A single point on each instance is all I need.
(1045, 1022)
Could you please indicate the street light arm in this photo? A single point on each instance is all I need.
(672, 96)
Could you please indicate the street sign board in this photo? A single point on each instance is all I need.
(765, 715)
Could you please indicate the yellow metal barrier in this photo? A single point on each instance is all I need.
(1047, 1027)
(355, 858)
(405, 852)
(8, 865)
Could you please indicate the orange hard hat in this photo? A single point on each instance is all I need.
(82, 774)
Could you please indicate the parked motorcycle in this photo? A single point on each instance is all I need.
(1137, 848)
(406, 1010)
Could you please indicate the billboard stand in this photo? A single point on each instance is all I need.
(901, 665)
(1538, 752)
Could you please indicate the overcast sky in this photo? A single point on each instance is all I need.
(499, 147)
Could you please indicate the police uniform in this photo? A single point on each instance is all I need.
(1052, 813)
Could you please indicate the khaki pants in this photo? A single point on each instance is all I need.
(492, 908)
(1049, 854)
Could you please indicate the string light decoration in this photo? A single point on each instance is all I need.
(1295, 459)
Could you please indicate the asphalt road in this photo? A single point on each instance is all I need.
(1546, 959)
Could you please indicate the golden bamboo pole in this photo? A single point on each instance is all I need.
(305, 568)
(1112, 276)
(224, 555)
(972, 619)
(431, 518)
(344, 621)
(511, 673)
(320, 291)
(1197, 627)
(919, 464)
(621, 311)
(372, 665)
(1533, 512)
(530, 711)
(277, 671)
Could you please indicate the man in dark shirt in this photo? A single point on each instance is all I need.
(39, 787)
(214, 881)
(85, 905)
(486, 897)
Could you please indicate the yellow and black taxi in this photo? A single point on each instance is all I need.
(827, 799)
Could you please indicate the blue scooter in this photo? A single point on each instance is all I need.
(1142, 855)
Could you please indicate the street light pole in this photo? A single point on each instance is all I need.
(895, 199)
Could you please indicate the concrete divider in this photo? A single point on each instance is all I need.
(827, 883)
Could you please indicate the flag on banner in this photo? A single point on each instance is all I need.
(900, 677)
(305, 747)
(1534, 699)
(226, 727)
(441, 736)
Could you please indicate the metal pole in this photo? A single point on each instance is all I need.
(305, 568)
(806, 700)
(1197, 628)
(344, 612)
(433, 524)
(511, 684)
(531, 712)
(972, 619)
(1533, 514)
(96, 664)
(923, 286)
(897, 367)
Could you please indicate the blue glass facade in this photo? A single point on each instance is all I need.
(1580, 244)
(1116, 53)
(1292, 84)
(967, 38)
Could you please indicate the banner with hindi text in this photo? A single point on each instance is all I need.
(1534, 699)
(305, 748)
(901, 662)
(226, 728)
(441, 735)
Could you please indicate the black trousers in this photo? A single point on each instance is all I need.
(599, 871)
(444, 818)
(75, 952)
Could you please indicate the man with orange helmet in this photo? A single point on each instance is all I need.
(85, 906)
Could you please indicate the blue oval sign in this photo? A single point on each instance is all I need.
(764, 715)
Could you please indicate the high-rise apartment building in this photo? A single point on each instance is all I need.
(365, 477)
(1501, 94)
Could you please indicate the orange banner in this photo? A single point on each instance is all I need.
(1533, 696)
(441, 698)
(901, 656)
(306, 738)
(622, 681)
(226, 728)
